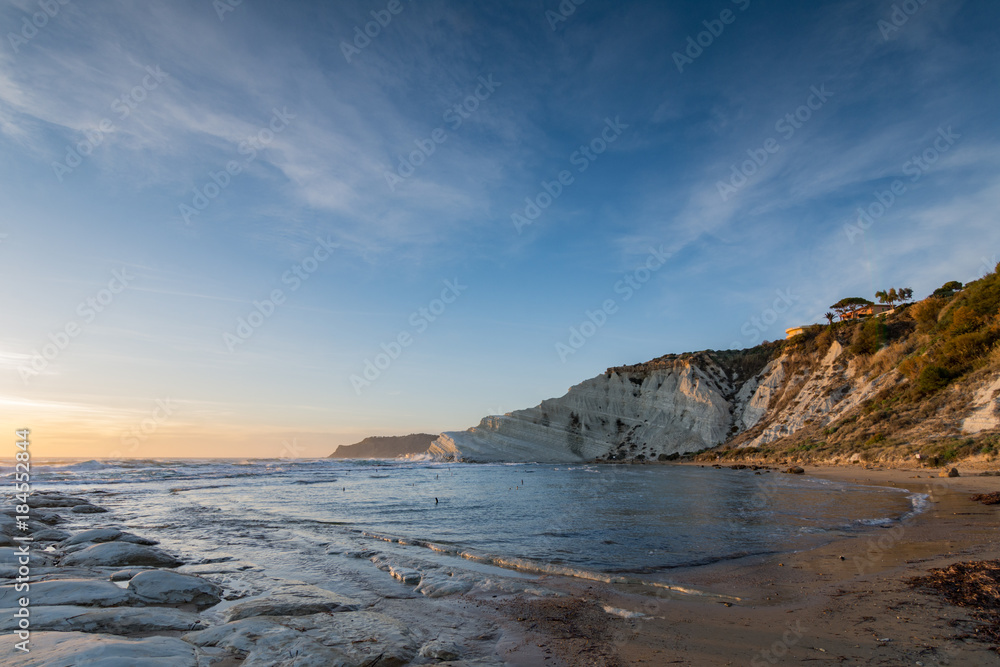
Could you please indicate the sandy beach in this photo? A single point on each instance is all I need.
(844, 603)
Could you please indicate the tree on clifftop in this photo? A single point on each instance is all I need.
(889, 297)
(850, 305)
(948, 289)
(829, 318)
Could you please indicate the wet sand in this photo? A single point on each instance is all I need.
(844, 603)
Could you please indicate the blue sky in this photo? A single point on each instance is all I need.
(118, 122)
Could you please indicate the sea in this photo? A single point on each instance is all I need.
(309, 519)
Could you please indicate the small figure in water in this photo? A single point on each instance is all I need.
(435, 501)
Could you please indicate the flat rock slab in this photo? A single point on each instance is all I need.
(94, 535)
(60, 649)
(113, 621)
(349, 639)
(440, 650)
(405, 575)
(165, 587)
(292, 600)
(84, 592)
(88, 509)
(10, 556)
(50, 535)
(439, 586)
(38, 500)
(121, 554)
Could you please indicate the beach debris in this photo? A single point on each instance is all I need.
(974, 585)
(987, 498)
(795, 470)
(951, 472)
(165, 587)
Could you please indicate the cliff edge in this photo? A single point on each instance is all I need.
(385, 447)
(920, 382)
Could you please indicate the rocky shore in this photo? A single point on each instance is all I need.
(97, 594)
(920, 591)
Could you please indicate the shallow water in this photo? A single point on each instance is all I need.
(579, 519)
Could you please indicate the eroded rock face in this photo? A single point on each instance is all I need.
(164, 587)
(678, 405)
(985, 413)
(121, 554)
(60, 649)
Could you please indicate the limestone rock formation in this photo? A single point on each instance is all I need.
(675, 404)
(385, 447)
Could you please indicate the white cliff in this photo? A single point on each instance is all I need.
(985, 408)
(670, 406)
(746, 400)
